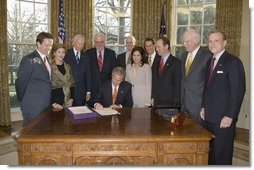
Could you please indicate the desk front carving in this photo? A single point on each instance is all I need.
(141, 137)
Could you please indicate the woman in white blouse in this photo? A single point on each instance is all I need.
(139, 74)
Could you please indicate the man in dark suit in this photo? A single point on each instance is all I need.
(33, 86)
(115, 93)
(223, 94)
(193, 74)
(80, 68)
(102, 62)
(149, 46)
(125, 58)
(166, 79)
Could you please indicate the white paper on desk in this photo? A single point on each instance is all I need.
(106, 111)
(80, 110)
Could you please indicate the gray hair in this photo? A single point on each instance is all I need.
(119, 71)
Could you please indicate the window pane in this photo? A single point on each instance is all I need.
(113, 18)
(27, 12)
(195, 16)
(182, 2)
(41, 13)
(179, 51)
(209, 14)
(196, 1)
(100, 17)
(180, 31)
(206, 32)
(112, 35)
(101, 3)
(182, 16)
(40, 27)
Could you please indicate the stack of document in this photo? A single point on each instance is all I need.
(80, 112)
(106, 111)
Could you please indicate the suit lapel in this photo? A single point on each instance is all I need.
(166, 65)
(195, 61)
(219, 66)
(119, 94)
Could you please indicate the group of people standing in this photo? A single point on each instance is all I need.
(209, 85)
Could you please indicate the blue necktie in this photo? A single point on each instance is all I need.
(77, 58)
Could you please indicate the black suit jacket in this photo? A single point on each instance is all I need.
(82, 75)
(121, 61)
(124, 95)
(166, 88)
(224, 93)
(98, 77)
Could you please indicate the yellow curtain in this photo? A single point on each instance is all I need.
(5, 116)
(77, 20)
(146, 17)
(228, 20)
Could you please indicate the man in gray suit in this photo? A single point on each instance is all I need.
(33, 85)
(193, 74)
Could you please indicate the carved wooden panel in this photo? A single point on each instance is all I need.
(177, 159)
(178, 147)
(113, 147)
(115, 160)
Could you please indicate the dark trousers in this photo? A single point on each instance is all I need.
(221, 146)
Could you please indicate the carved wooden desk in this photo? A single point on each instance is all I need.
(135, 137)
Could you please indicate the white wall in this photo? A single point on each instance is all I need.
(244, 115)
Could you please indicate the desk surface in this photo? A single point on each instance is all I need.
(134, 137)
(138, 122)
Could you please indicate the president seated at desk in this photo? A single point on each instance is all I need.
(115, 93)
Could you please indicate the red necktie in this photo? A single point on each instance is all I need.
(161, 66)
(211, 68)
(100, 61)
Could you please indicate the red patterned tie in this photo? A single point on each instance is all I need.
(161, 66)
(100, 61)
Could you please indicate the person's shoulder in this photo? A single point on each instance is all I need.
(205, 52)
(175, 59)
(90, 50)
(121, 54)
(126, 84)
(109, 50)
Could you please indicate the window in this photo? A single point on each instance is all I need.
(113, 18)
(25, 19)
(198, 14)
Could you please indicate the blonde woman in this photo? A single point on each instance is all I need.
(62, 80)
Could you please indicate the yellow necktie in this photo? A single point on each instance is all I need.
(114, 95)
(188, 64)
(150, 60)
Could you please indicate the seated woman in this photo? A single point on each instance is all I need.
(62, 80)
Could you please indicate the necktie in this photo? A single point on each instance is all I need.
(211, 68)
(100, 61)
(114, 95)
(129, 59)
(161, 66)
(45, 60)
(149, 59)
(188, 64)
(77, 58)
